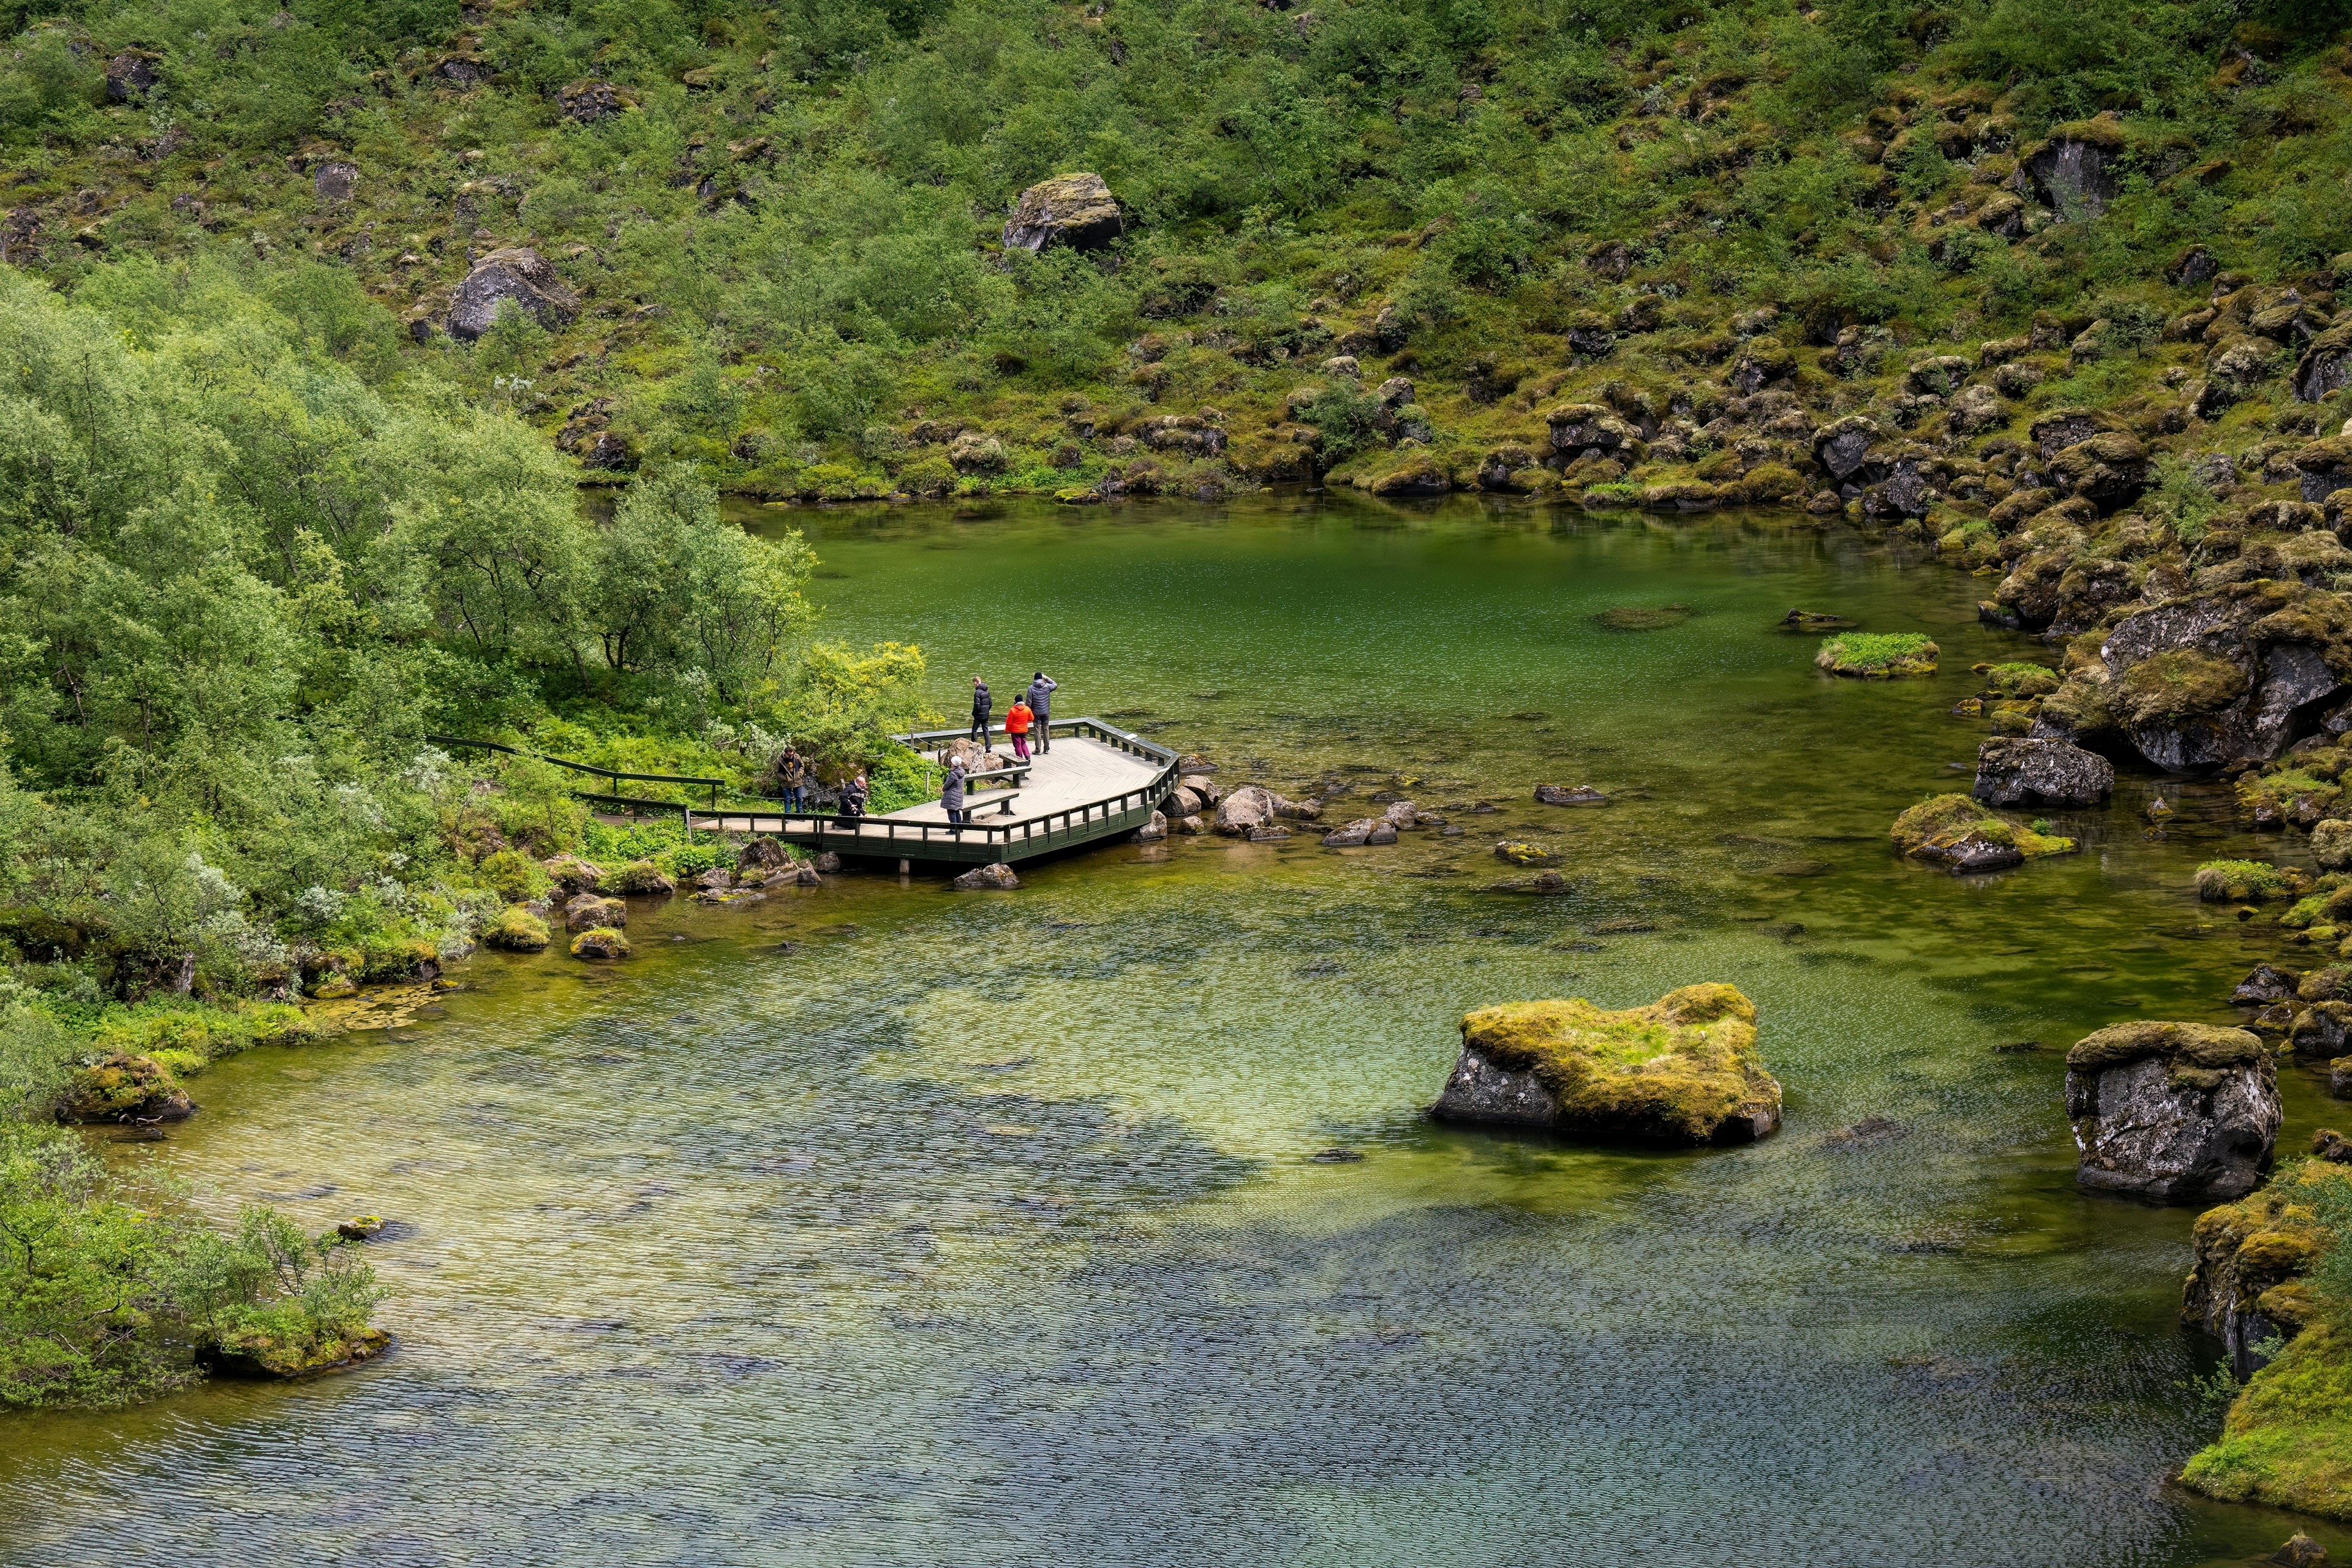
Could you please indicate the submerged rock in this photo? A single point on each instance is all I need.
(2172, 1112)
(1955, 832)
(1561, 795)
(998, 878)
(1683, 1071)
(2020, 771)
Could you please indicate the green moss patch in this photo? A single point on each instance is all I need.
(1684, 1069)
(1940, 824)
(1878, 655)
(2248, 881)
(516, 929)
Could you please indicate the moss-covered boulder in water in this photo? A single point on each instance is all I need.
(2170, 1112)
(1955, 832)
(600, 941)
(1878, 655)
(517, 930)
(127, 1088)
(280, 1344)
(1683, 1071)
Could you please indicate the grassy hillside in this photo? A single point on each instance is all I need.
(782, 224)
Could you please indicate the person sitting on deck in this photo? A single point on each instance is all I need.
(1017, 720)
(1042, 687)
(853, 802)
(951, 794)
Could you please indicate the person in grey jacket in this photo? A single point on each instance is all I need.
(1042, 687)
(951, 794)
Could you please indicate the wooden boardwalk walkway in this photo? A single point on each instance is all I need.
(1098, 781)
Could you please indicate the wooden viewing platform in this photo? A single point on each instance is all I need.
(1098, 781)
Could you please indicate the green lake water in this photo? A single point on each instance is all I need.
(880, 1224)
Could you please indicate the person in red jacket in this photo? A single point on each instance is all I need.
(1017, 720)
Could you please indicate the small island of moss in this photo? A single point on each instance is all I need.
(1878, 655)
(1683, 1071)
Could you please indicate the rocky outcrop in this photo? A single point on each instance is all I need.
(2172, 1112)
(572, 874)
(520, 275)
(2075, 171)
(1364, 830)
(2242, 671)
(998, 878)
(586, 102)
(252, 1350)
(1073, 210)
(2019, 772)
(1683, 1071)
(2263, 985)
(2246, 1284)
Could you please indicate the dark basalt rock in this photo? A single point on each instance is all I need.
(2042, 773)
(2172, 1112)
(2265, 984)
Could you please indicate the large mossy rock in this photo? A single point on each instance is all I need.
(1074, 210)
(127, 1088)
(1878, 655)
(1955, 832)
(2172, 1112)
(1683, 1071)
(519, 276)
(267, 1348)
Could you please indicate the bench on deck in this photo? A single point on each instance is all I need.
(1005, 797)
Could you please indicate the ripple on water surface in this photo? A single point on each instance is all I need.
(880, 1225)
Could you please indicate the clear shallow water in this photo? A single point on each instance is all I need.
(878, 1224)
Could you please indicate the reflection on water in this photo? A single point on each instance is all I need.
(880, 1224)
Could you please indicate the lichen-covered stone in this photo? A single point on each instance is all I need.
(1074, 210)
(1683, 1071)
(2170, 1112)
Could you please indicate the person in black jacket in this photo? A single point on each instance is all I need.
(980, 704)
